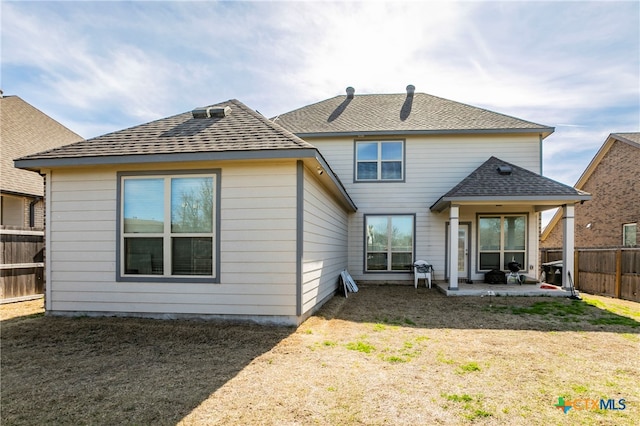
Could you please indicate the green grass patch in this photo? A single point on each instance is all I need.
(329, 343)
(581, 389)
(379, 327)
(361, 346)
(609, 319)
(458, 398)
(469, 367)
(591, 311)
(472, 406)
(554, 307)
(614, 306)
(394, 359)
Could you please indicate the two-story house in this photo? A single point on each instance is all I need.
(221, 212)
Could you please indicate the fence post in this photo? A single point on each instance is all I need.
(576, 268)
(618, 289)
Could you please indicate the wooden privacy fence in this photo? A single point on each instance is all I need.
(613, 272)
(22, 262)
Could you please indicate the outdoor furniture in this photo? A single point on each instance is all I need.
(514, 269)
(422, 270)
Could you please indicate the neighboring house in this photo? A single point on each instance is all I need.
(611, 218)
(221, 212)
(23, 130)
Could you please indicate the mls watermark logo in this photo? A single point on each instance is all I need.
(582, 404)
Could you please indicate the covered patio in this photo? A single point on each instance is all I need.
(493, 222)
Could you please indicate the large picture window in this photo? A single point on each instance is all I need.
(501, 239)
(168, 226)
(379, 160)
(389, 242)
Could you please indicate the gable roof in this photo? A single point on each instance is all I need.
(26, 130)
(181, 136)
(632, 139)
(237, 133)
(410, 113)
(499, 181)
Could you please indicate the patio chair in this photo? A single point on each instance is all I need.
(422, 269)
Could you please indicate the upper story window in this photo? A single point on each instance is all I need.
(379, 161)
(629, 234)
(168, 227)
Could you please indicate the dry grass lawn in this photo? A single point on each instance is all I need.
(386, 355)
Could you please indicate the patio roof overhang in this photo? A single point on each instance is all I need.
(497, 182)
(540, 203)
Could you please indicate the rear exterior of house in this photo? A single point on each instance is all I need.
(222, 213)
(400, 155)
(205, 218)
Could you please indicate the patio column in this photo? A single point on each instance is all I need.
(568, 244)
(454, 222)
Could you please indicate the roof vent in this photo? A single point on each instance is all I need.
(211, 112)
(505, 170)
(411, 89)
(350, 92)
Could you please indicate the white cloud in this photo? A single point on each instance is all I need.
(104, 66)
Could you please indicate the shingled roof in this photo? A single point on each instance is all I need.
(499, 181)
(181, 136)
(27, 130)
(404, 113)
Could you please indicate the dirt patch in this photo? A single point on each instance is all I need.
(386, 355)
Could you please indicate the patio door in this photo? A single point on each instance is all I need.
(463, 250)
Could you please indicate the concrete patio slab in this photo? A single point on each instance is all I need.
(482, 289)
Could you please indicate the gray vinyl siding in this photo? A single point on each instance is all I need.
(324, 243)
(434, 165)
(257, 247)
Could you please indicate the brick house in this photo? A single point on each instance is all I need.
(611, 218)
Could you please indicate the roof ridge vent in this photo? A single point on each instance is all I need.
(211, 112)
(505, 170)
(350, 92)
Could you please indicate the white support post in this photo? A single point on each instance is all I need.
(454, 222)
(568, 245)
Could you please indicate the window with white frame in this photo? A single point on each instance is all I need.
(379, 160)
(629, 234)
(389, 242)
(168, 225)
(501, 239)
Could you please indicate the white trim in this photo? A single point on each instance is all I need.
(48, 283)
(22, 265)
(21, 232)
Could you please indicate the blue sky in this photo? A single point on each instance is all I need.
(98, 67)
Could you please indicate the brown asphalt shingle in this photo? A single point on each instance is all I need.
(487, 182)
(26, 130)
(419, 112)
(242, 130)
